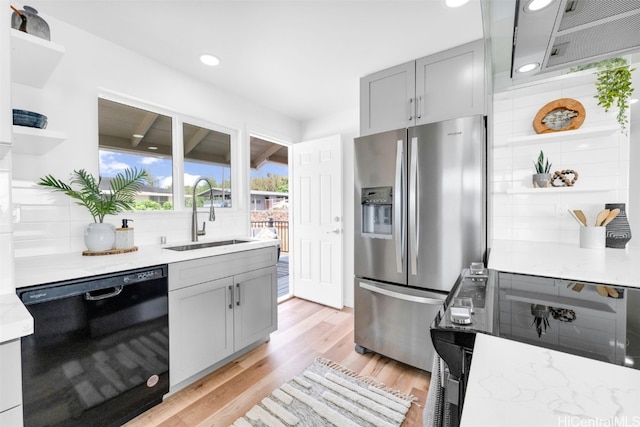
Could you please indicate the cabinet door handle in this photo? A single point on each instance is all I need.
(230, 296)
(419, 107)
(238, 296)
(410, 109)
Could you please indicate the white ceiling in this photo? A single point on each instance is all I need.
(303, 58)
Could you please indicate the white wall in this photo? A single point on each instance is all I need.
(602, 163)
(6, 235)
(346, 124)
(50, 223)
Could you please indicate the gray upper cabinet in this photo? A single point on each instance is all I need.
(450, 84)
(438, 87)
(386, 99)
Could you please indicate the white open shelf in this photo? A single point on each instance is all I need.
(28, 140)
(551, 190)
(33, 59)
(591, 132)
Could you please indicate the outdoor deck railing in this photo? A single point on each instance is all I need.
(282, 229)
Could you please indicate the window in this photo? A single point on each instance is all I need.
(134, 137)
(207, 154)
(131, 137)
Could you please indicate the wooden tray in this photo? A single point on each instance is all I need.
(110, 251)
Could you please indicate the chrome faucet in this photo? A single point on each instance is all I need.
(195, 232)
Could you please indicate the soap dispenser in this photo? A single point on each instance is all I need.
(124, 236)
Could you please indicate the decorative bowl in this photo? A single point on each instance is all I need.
(29, 118)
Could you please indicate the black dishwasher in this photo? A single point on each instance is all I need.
(99, 354)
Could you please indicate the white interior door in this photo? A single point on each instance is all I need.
(317, 221)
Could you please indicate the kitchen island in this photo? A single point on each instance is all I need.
(536, 386)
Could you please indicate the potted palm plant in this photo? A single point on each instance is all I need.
(99, 236)
(542, 177)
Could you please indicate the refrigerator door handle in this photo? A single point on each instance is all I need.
(413, 206)
(397, 203)
(398, 295)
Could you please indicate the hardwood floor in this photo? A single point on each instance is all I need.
(306, 331)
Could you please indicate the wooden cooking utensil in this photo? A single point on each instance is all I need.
(575, 217)
(602, 291)
(602, 215)
(614, 213)
(577, 287)
(581, 216)
(612, 292)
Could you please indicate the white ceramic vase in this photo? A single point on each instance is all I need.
(99, 236)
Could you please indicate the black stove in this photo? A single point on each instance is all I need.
(592, 320)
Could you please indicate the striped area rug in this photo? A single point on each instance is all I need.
(325, 394)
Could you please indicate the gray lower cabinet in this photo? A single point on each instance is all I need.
(442, 86)
(219, 306)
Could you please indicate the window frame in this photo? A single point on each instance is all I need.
(234, 164)
(177, 150)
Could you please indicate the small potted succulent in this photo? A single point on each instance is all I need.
(542, 177)
(99, 236)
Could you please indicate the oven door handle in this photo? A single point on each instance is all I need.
(116, 292)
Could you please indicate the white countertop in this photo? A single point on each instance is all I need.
(54, 268)
(512, 383)
(563, 261)
(15, 320)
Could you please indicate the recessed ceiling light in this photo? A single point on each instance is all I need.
(209, 60)
(153, 147)
(137, 135)
(527, 67)
(455, 3)
(535, 5)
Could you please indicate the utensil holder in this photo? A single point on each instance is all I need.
(618, 230)
(592, 237)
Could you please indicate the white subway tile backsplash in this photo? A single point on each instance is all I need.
(537, 100)
(503, 163)
(26, 248)
(40, 230)
(535, 235)
(595, 156)
(6, 264)
(43, 213)
(6, 207)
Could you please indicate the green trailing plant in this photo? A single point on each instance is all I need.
(120, 197)
(613, 86)
(541, 166)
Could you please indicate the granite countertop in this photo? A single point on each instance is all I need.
(563, 261)
(536, 386)
(15, 320)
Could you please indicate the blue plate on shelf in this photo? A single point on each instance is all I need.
(29, 119)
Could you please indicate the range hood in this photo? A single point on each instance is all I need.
(573, 32)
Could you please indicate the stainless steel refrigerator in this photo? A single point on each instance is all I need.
(420, 217)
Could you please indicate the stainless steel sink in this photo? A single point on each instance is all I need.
(193, 246)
